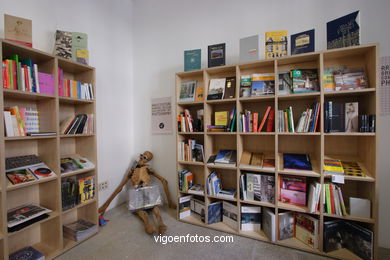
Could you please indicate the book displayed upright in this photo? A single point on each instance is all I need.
(192, 59)
(216, 55)
(249, 48)
(275, 44)
(302, 42)
(343, 31)
(18, 30)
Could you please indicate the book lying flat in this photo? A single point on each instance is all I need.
(24, 213)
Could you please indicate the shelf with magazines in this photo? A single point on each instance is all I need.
(32, 144)
(317, 162)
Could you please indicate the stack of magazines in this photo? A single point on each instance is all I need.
(80, 230)
(25, 215)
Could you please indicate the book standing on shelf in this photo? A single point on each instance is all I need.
(245, 86)
(230, 88)
(250, 218)
(69, 193)
(286, 225)
(305, 80)
(269, 224)
(192, 59)
(230, 214)
(307, 229)
(86, 188)
(187, 91)
(292, 190)
(184, 206)
(216, 55)
(216, 89)
(249, 48)
(190, 150)
(275, 44)
(263, 84)
(258, 187)
(302, 42)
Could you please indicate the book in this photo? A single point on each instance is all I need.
(285, 83)
(230, 88)
(226, 157)
(296, 162)
(83, 163)
(23, 213)
(17, 29)
(216, 89)
(69, 193)
(192, 59)
(27, 253)
(249, 48)
(63, 44)
(264, 118)
(268, 224)
(245, 159)
(359, 207)
(216, 55)
(245, 86)
(292, 190)
(258, 187)
(302, 42)
(41, 171)
(305, 80)
(230, 214)
(79, 43)
(353, 169)
(271, 120)
(286, 225)
(198, 209)
(187, 91)
(263, 84)
(307, 229)
(199, 94)
(269, 161)
(343, 31)
(333, 166)
(214, 212)
(275, 44)
(197, 189)
(221, 118)
(20, 176)
(227, 193)
(250, 218)
(67, 164)
(86, 188)
(350, 79)
(184, 206)
(79, 230)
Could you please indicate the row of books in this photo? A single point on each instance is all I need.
(78, 124)
(23, 75)
(257, 187)
(74, 88)
(257, 85)
(214, 187)
(338, 167)
(21, 121)
(344, 78)
(249, 122)
(224, 121)
(190, 150)
(307, 122)
(75, 191)
(186, 179)
(186, 123)
(334, 201)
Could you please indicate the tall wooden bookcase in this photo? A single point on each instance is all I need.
(46, 235)
(359, 147)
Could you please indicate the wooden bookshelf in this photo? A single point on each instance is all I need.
(357, 147)
(46, 235)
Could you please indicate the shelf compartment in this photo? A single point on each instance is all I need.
(352, 218)
(366, 101)
(211, 108)
(228, 180)
(80, 205)
(44, 237)
(295, 243)
(345, 93)
(19, 94)
(71, 110)
(189, 76)
(198, 172)
(215, 143)
(264, 144)
(199, 139)
(84, 147)
(257, 99)
(359, 149)
(197, 114)
(258, 235)
(259, 107)
(52, 215)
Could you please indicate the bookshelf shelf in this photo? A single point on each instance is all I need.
(186, 193)
(81, 171)
(345, 146)
(80, 205)
(68, 243)
(45, 235)
(191, 133)
(192, 103)
(191, 163)
(222, 198)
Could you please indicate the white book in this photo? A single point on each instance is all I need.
(15, 125)
(230, 215)
(36, 78)
(250, 218)
(318, 193)
(310, 202)
(9, 130)
(22, 79)
(243, 187)
(184, 206)
(268, 223)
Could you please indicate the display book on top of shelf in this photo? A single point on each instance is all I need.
(42, 111)
(358, 193)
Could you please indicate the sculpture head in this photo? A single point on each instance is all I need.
(144, 158)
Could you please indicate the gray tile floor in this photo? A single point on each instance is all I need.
(124, 238)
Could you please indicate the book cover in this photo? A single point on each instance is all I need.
(293, 190)
(20, 176)
(275, 44)
(214, 212)
(184, 206)
(63, 44)
(41, 171)
(216, 89)
(198, 209)
(245, 86)
(333, 166)
(226, 157)
(87, 188)
(306, 229)
(353, 169)
(245, 158)
(230, 215)
(250, 218)
(296, 162)
(230, 88)
(24, 213)
(269, 161)
(249, 48)
(216, 55)
(79, 42)
(263, 84)
(359, 207)
(305, 80)
(192, 59)
(83, 163)
(187, 91)
(27, 253)
(302, 42)
(286, 225)
(359, 240)
(199, 94)
(343, 31)
(285, 83)
(221, 118)
(350, 79)
(268, 224)
(197, 189)
(18, 30)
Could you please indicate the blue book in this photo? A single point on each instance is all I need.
(27, 253)
(226, 157)
(343, 31)
(296, 161)
(214, 213)
(302, 42)
(192, 59)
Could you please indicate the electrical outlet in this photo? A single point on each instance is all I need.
(103, 186)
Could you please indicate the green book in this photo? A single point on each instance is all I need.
(79, 42)
(192, 59)
(328, 203)
(15, 57)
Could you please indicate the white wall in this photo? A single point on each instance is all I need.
(164, 29)
(109, 28)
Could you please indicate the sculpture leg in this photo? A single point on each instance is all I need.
(161, 226)
(145, 218)
(164, 182)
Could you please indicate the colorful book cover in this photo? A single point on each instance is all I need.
(79, 42)
(192, 59)
(216, 55)
(41, 171)
(286, 225)
(306, 229)
(214, 212)
(63, 44)
(245, 86)
(187, 91)
(20, 176)
(296, 161)
(250, 218)
(199, 94)
(293, 190)
(221, 118)
(305, 80)
(216, 89)
(27, 253)
(275, 44)
(263, 84)
(343, 31)
(230, 88)
(249, 48)
(302, 42)
(87, 188)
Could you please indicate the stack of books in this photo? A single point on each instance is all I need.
(190, 150)
(79, 230)
(74, 89)
(186, 179)
(249, 122)
(25, 215)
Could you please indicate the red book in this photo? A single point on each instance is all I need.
(271, 118)
(332, 198)
(5, 75)
(318, 112)
(264, 118)
(14, 75)
(255, 121)
(26, 77)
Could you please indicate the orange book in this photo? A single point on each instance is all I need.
(255, 121)
(74, 89)
(271, 118)
(199, 94)
(264, 118)
(285, 122)
(15, 112)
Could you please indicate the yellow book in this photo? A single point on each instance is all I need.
(86, 188)
(275, 44)
(332, 166)
(74, 89)
(199, 94)
(221, 118)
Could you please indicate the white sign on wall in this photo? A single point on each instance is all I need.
(162, 115)
(385, 86)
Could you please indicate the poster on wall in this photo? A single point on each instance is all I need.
(343, 31)
(385, 86)
(161, 115)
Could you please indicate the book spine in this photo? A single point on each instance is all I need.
(270, 123)
(332, 199)
(264, 118)
(255, 121)
(328, 203)
(343, 210)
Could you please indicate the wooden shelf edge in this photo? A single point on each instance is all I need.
(348, 217)
(190, 163)
(63, 99)
(22, 138)
(76, 135)
(79, 206)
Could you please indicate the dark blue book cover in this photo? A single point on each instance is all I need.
(297, 161)
(302, 42)
(343, 31)
(216, 55)
(215, 212)
(27, 253)
(192, 59)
